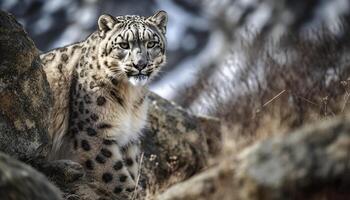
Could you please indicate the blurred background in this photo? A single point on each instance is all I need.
(207, 40)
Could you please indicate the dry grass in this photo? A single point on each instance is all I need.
(281, 85)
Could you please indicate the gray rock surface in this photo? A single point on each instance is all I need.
(301, 165)
(21, 182)
(24, 92)
(176, 142)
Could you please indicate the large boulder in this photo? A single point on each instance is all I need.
(177, 143)
(24, 92)
(310, 163)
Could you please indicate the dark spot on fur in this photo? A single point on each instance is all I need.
(89, 164)
(108, 142)
(92, 85)
(62, 49)
(107, 153)
(91, 131)
(114, 81)
(130, 189)
(94, 77)
(107, 177)
(117, 97)
(122, 178)
(64, 58)
(82, 73)
(87, 99)
(80, 86)
(100, 101)
(87, 111)
(129, 162)
(81, 107)
(139, 102)
(94, 117)
(83, 50)
(98, 67)
(90, 66)
(85, 145)
(117, 190)
(100, 159)
(104, 126)
(118, 165)
(60, 68)
(132, 176)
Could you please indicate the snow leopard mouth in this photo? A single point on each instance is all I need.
(138, 80)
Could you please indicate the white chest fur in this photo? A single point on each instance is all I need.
(128, 125)
(126, 119)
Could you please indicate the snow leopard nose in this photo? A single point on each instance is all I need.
(140, 64)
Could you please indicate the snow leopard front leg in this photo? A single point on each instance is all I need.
(103, 161)
(131, 155)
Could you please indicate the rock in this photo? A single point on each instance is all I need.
(177, 143)
(21, 182)
(24, 92)
(213, 183)
(61, 172)
(311, 163)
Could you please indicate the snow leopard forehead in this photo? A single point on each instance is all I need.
(131, 18)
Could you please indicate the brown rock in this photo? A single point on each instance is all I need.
(24, 92)
(176, 143)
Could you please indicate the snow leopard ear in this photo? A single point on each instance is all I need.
(105, 24)
(160, 19)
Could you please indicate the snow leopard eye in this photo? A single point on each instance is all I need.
(151, 44)
(124, 45)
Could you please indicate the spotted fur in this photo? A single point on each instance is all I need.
(100, 104)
